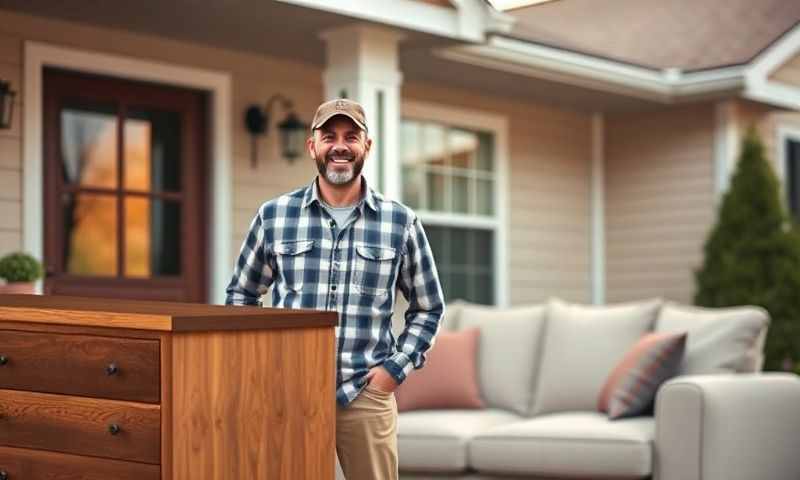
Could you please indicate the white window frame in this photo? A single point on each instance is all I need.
(498, 126)
(784, 133)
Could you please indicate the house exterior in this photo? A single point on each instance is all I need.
(548, 152)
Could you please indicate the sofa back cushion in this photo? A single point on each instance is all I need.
(509, 352)
(721, 340)
(582, 345)
(449, 378)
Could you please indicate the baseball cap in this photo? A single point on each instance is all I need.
(340, 106)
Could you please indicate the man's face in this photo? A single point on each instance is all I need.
(339, 148)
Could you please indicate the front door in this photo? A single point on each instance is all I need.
(124, 182)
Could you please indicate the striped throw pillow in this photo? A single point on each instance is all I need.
(632, 385)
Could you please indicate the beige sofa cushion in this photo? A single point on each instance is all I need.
(574, 444)
(720, 339)
(508, 353)
(582, 345)
(436, 440)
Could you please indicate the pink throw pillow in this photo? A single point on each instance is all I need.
(632, 386)
(449, 378)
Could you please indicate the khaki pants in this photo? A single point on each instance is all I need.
(366, 436)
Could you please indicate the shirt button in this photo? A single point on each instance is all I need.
(333, 288)
(332, 224)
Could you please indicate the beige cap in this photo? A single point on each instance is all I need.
(340, 106)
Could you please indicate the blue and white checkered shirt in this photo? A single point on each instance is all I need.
(294, 245)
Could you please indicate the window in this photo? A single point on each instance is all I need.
(449, 176)
(124, 187)
(792, 156)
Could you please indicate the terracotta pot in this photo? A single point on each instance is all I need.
(18, 287)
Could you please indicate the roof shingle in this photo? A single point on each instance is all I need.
(685, 34)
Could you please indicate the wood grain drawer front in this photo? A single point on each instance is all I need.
(21, 464)
(82, 426)
(83, 365)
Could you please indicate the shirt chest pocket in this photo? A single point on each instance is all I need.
(295, 261)
(374, 269)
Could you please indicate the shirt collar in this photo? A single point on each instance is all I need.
(368, 195)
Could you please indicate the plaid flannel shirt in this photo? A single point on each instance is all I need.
(355, 270)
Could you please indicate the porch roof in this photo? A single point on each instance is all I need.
(508, 62)
(292, 31)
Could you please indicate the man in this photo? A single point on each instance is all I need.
(338, 245)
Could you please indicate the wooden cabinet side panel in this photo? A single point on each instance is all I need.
(254, 404)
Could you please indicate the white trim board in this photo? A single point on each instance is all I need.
(726, 147)
(465, 22)
(498, 125)
(597, 252)
(218, 84)
(572, 68)
(659, 85)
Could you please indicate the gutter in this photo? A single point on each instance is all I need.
(544, 62)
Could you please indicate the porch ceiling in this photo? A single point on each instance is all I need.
(287, 31)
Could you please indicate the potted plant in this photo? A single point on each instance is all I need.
(20, 272)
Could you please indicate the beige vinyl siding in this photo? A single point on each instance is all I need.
(11, 151)
(789, 72)
(659, 201)
(255, 78)
(548, 188)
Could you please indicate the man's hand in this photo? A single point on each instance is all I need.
(379, 378)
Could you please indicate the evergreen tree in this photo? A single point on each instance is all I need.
(752, 257)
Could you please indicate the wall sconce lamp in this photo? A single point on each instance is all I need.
(6, 104)
(293, 132)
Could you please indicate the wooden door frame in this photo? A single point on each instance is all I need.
(69, 88)
(216, 83)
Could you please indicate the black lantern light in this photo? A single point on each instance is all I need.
(293, 132)
(6, 104)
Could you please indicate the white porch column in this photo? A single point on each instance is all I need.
(598, 223)
(726, 147)
(362, 64)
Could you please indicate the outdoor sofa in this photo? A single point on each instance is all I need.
(540, 369)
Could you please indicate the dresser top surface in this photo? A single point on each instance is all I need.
(152, 315)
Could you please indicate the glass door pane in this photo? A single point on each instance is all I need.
(89, 146)
(152, 165)
(152, 150)
(152, 237)
(90, 234)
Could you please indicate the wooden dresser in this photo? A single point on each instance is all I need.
(96, 389)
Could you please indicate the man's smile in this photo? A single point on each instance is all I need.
(340, 160)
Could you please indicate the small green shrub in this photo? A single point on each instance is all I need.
(20, 267)
(752, 258)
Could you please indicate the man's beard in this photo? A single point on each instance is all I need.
(335, 175)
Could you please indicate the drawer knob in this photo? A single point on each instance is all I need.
(111, 369)
(113, 429)
(3, 475)
(3, 361)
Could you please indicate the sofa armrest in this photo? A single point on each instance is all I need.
(728, 427)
